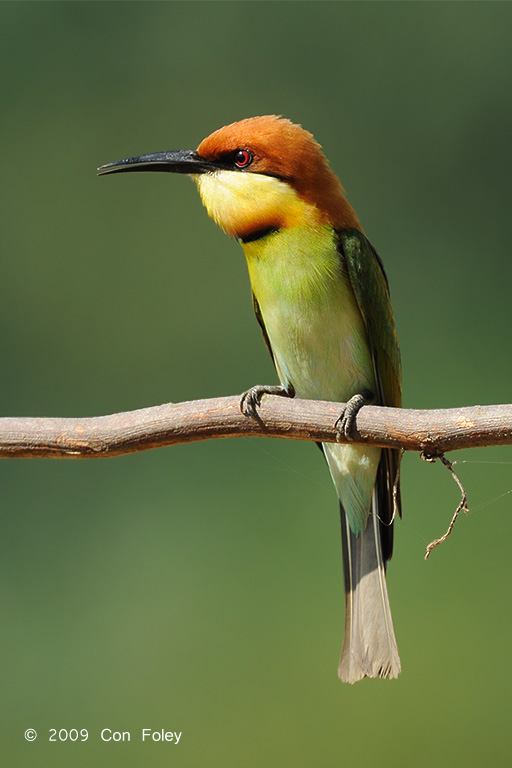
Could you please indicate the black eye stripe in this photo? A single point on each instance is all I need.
(227, 161)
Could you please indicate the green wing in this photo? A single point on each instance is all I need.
(369, 283)
(259, 318)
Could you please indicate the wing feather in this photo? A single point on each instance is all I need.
(370, 285)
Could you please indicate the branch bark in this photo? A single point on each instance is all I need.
(430, 431)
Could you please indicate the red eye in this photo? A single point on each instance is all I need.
(243, 158)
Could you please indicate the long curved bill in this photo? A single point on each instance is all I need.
(181, 161)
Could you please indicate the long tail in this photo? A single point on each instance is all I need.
(369, 645)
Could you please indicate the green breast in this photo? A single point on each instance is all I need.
(310, 313)
(319, 341)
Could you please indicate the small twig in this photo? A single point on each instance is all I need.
(396, 486)
(463, 505)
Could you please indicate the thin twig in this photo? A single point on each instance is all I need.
(396, 486)
(463, 505)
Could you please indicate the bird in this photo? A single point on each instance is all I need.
(321, 297)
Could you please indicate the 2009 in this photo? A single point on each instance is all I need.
(72, 735)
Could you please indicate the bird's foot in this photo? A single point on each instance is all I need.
(346, 421)
(251, 400)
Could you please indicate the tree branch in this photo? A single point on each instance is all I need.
(431, 432)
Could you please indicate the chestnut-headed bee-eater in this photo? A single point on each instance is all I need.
(321, 298)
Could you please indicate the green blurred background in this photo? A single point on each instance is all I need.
(199, 588)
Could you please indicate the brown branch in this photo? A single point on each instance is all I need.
(432, 432)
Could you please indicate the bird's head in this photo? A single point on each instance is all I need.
(257, 175)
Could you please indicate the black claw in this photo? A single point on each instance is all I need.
(346, 422)
(251, 400)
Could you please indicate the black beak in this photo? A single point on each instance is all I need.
(181, 161)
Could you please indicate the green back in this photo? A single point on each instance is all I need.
(370, 286)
